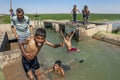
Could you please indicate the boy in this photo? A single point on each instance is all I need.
(67, 41)
(57, 70)
(86, 14)
(30, 48)
(11, 13)
(74, 13)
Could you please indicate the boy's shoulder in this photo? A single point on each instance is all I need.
(30, 38)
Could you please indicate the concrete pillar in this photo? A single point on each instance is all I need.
(57, 29)
(102, 28)
(109, 28)
(53, 26)
(42, 24)
(79, 34)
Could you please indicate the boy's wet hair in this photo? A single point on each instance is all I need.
(41, 32)
(19, 10)
(67, 34)
(58, 62)
(75, 5)
(85, 6)
(11, 10)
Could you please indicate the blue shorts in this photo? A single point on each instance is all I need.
(30, 64)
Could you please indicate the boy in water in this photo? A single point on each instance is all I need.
(74, 13)
(30, 48)
(67, 41)
(57, 70)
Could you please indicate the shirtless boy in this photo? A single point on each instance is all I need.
(67, 41)
(30, 48)
(74, 13)
(57, 70)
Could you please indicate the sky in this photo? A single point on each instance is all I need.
(60, 6)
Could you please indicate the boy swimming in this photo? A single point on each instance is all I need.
(57, 70)
(67, 40)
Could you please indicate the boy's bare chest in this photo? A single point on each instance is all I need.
(31, 47)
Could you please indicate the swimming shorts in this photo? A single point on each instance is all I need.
(30, 64)
(73, 49)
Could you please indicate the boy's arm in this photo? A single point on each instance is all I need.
(62, 71)
(88, 12)
(62, 34)
(46, 72)
(78, 10)
(72, 35)
(71, 12)
(22, 46)
(54, 45)
(49, 70)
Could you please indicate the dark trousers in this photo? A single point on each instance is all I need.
(85, 19)
(74, 18)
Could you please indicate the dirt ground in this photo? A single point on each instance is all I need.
(14, 46)
(14, 71)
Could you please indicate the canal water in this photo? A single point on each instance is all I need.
(101, 61)
(1, 75)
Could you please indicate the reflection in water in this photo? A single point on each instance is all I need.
(101, 60)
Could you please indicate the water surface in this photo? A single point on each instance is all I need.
(101, 60)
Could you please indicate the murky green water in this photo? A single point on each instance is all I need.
(101, 60)
(1, 75)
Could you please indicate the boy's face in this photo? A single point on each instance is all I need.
(67, 37)
(39, 39)
(56, 66)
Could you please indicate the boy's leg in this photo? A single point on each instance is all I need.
(35, 67)
(37, 73)
(27, 68)
(87, 19)
(74, 18)
(30, 75)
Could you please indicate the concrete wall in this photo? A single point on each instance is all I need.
(88, 30)
(91, 30)
(99, 28)
(5, 55)
(9, 56)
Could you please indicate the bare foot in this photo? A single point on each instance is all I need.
(78, 50)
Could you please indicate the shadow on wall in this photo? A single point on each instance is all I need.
(4, 41)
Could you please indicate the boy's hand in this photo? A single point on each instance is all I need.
(16, 36)
(28, 56)
(61, 44)
(32, 35)
(42, 76)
